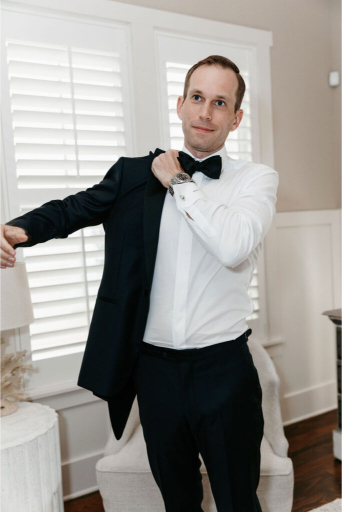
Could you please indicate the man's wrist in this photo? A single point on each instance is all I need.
(180, 177)
(175, 174)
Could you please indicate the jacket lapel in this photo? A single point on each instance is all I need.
(154, 198)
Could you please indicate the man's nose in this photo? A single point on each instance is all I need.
(206, 111)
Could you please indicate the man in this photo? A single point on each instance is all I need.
(169, 324)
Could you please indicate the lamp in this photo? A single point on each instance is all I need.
(16, 305)
(16, 311)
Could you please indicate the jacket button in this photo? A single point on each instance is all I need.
(164, 354)
(145, 292)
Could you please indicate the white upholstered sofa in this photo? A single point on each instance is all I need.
(126, 483)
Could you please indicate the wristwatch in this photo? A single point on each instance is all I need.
(181, 177)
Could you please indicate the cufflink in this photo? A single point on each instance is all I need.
(182, 197)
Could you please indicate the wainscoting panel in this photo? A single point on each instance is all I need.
(303, 268)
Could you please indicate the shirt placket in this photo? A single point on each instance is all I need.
(182, 279)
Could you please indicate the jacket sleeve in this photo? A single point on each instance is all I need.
(231, 232)
(61, 217)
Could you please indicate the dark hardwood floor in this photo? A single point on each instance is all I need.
(317, 473)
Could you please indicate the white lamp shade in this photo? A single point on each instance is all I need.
(16, 304)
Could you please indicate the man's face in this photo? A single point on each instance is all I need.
(207, 113)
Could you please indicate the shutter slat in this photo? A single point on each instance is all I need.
(54, 71)
(70, 245)
(21, 51)
(73, 290)
(65, 120)
(58, 308)
(94, 76)
(83, 136)
(63, 261)
(58, 150)
(61, 323)
(55, 104)
(58, 339)
(48, 88)
(55, 167)
(48, 353)
(44, 280)
(96, 60)
(75, 183)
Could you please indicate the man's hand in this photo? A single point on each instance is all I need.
(165, 166)
(9, 236)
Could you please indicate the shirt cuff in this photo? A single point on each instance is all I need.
(186, 194)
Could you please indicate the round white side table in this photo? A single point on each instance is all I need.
(31, 475)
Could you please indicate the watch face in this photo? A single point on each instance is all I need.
(182, 176)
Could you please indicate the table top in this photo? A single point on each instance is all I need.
(28, 422)
(334, 313)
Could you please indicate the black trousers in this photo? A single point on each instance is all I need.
(206, 401)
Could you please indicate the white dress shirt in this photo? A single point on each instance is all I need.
(204, 266)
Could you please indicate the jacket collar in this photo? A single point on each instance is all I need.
(154, 198)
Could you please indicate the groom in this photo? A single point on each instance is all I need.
(183, 232)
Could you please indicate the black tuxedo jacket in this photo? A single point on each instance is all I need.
(129, 202)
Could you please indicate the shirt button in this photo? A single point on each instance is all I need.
(182, 197)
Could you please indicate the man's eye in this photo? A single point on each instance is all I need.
(195, 96)
(220, 101)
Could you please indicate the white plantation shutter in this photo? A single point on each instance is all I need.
(176, 56)
(69, 125)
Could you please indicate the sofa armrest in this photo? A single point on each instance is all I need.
(270, 381)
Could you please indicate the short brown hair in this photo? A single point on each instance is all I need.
(218, 60)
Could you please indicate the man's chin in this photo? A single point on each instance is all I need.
(203, 146)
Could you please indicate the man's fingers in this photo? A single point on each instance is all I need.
(9, 237)
(6, 259)
(5, 244)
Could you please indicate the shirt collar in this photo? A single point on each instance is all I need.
(221, 152)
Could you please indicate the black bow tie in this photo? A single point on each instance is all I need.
(211, 167)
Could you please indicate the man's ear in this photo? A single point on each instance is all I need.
(237, 120)
(179, 107)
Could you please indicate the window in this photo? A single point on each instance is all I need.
(68, 126)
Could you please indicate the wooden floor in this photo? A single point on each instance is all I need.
(317, 474)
